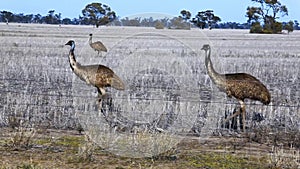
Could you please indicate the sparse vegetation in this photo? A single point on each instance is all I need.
(159, 25)
(65, 150)
(36, 83)
(281, 158)
(179, 23)
(22, 134)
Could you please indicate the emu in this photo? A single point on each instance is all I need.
(238, 85)
(97, 46)
(99, 76)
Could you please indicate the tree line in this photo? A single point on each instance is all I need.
(98, 14)
(261, 19)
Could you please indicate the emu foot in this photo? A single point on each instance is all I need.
(231, 121)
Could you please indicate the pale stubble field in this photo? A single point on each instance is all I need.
(37, 86)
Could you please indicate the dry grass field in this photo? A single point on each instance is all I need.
(40, 126)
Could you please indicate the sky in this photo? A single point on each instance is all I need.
(227, 10)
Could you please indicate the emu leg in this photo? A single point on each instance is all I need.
(232, 116)
(99, 102)
(241, 120)
(242, 111)
(243, 107)
(233, 124)
(234, 121)
(99, 98)
(236, 112)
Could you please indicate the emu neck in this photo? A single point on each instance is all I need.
(76, 67)
(217, 78)
(90, 40)
(72, 59)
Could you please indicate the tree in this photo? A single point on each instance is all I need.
(57, 18)
(200, 20)
(52, 18)
(66, 21)
(256, 28)
(97, 14)
(37, 18)
(178, 23)
(186, 15)
(6, 16)
(49, 18)
(296, 25)
(267, 12)
(159, 25)
(211, 18)
(289, 26)
(204, 18)
(148, 22)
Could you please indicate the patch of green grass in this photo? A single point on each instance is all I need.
(69, 141)
(28, 166)
(43, 141)
(4, 141)
(222, 161)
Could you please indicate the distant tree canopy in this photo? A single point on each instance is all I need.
(186, 15)
(267, 12)
(289, 26)
(53, 18)
(97, 14)
(204, 18)
(179, 23)
(262, 19)
(6, 16)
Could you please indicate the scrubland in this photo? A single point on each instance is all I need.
(39, 98)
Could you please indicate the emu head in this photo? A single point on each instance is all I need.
(205, 47)
(71, 43)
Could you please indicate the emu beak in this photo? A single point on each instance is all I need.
(69, 43)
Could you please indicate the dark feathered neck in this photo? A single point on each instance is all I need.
(72, 58)
(90, 40)
(215, 76)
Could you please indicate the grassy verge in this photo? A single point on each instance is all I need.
(68, 149)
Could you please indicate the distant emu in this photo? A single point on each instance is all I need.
(97, 46)
(99, 76)
(238, 85)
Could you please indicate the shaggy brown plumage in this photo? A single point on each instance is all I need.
(99, 76)
(239, 85)
(97, 46)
